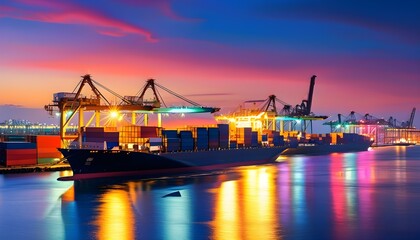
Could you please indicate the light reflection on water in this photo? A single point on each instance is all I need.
(367, 195)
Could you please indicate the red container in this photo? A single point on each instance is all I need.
(148, 131)
(16, 157)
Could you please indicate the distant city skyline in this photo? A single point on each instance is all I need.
(366, 54)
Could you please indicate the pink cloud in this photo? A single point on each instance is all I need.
(164, 6)
(64, 13)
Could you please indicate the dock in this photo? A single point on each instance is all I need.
(35, 168)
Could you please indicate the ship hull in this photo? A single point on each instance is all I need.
(87, 163)
(327, 149)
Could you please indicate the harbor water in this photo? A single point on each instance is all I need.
(367, 195)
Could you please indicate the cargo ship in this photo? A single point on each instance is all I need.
(330, 143)
(254, 135)
(155, 152)
(87, 163)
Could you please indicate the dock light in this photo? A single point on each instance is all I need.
(113, 114)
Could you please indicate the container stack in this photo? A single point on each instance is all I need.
(278, 140)
(223, 135)
(353, 138)
(187, 141)
(254, 139)
(101, 135)
(46, 148)
(172, 144)
(293, 142)
(17, 153)
(213, 137)
(233, 144)
(264, 137)
(326, 139)
(201, 138)
(171, 140)
(130, 135)
(244, 136)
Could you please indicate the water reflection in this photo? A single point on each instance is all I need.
(340, 196)
(115, 217)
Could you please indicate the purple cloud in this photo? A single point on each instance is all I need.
(66, 13)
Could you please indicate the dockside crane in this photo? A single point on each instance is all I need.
(69, 104)
(411, 121)
(158, 105)
(270, 117)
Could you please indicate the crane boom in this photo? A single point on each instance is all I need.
(410, 122)
(310, 95)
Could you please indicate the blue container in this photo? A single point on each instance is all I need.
(213, 131)
(185, 134)
(264, 138)
(224, 144)
(187, 144)
(202, 145)
(223, 128)
(233, 144)
(293, 142)
(17, 145)
(14, 138)
(170, 133)
(111, 145)
(172, 144)
(214, 143)
(201, 130)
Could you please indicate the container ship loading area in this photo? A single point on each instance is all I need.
(246, 127)
(126, 125)
(383, 132)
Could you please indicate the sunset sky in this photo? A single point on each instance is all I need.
(366, 54)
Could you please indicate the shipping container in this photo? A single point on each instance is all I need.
(172, 144)
(94, 129)
(264, 137)
(17, 145)
(170, 133)
(224, 144)
(19, 157)
(47, 141)
(185, 134)
(254, 139)
(149, 131)
(187, 144)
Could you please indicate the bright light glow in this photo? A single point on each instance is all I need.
(113, 114)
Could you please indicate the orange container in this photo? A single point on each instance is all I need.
(44, 141)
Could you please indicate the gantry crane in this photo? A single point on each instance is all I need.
(68, 104)
(268, 117)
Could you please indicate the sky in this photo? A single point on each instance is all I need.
(365, 54)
